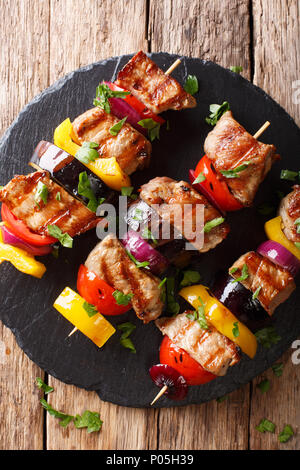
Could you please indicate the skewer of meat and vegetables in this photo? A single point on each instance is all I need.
(208, 290)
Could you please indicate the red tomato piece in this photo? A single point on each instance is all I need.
(98, 293)
(215, 185)
(21, 230)
(181, 361)
(138, 105)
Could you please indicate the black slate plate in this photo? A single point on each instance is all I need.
(117, 375)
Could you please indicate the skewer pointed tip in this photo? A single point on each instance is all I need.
(160, 393)
(261, 130)
(72, 332)
(173, 66)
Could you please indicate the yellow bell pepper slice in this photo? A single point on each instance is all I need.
(274, 232)
(96, 328)
(21, 260)
(221, 318)
(107, 169)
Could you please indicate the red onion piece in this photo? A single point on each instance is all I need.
(280, 255)
(120, 108)
(142, 251)
(202, 190)
(162, 374)
(11, 239)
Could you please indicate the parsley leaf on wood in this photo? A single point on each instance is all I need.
(90, 420)
(264, 386)
(42, 386)
(286, 434)
(236, 69)
(266, 426)
(64, 419)
(267, 337)
(278, 369)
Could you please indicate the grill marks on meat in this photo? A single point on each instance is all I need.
(69, 214)
(110, 262)
(130, 148)
(289, 211)
(276, 283)
(172, 197)
(213, 351)
(147, 82)
(228, 146)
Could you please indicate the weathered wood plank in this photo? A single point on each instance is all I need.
(276, 34)
(276, 51)
(213, 30)
(208, 30)
(96, 30)
(23, 74)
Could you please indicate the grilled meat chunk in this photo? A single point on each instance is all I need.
(213, 351)
(147, 82)
(110, 262)
(229, 146)
(275, 284)
(172, 198)
(130, 148)
(289, 211)
(69, 214)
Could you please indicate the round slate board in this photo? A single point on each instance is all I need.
(116, 374)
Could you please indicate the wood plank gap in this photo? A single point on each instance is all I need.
(251, 44)
(147, 23)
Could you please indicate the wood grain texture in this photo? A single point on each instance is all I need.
(101, 32)
(276, 32)
(23, 73)
(213, 30)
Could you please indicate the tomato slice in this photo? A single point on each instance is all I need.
(21, 230)
(216, 186)
(97, 292)
(138, 105)
(181, 361)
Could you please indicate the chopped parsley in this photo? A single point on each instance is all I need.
(216, 111)
(199, 315)
(115, 129)
(191, 85)
(264, 386)
(127, 328)
(138, 215)
(84, 189)
(256, 293)
(233, 270)
(234, 173)
(189, 278)
(297, 245)
(244, 276)
(122, 299)
(63, 238)
(90, 309)
(267, 337)
(289, 175)
(266, 426)
(212, 224)
(90, 420)
(103, 93)
(278, 369)
(87, 152)
(127, 191)
(297, 222)
(58, 196)
(200, 178)
(153, 128)
(235, 329)
(286, 433)
(148, 235)
(42, 386)
(41, 194)
(162, 283)
(139, 264)
(236, 69)
(64, 419)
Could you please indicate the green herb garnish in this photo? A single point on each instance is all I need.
(244, 276)
(42, 386)
(236, 69)
(148, 235)
(153, 128)
(189, 278)
(278, 369)
(234, 173)
(41, 193)
(212, 224)
(191, 84)
(85, 190)
(286, 434)
(289, 175)
(58, 196)
(297, 222)
(143, 264)
(90, 420)
(235, 330)
(90, 309)
(115, 129)
(297, 245)
(64, 419)
(267, 337)
(127, 328)
(256, 293)
(138, 215)
(264, 386)
(63, 238)
(266, 426)
(199, 315)
(122, 299)
(216, 111)
(233, 270)
(162, 283)
(200, 178)
(103, 93)
(87, 152)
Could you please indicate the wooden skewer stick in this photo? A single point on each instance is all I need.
(261, 130)
(73, 331)
(35, 166)
(173, 67)
(160, 393)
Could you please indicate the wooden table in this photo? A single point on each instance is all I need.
(42, 41)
